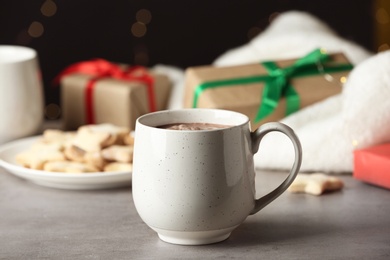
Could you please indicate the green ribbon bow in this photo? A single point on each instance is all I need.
(277, 83)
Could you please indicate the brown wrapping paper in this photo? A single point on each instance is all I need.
(246, 98)
(117, 102)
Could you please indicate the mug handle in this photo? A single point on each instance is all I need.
(256, 137)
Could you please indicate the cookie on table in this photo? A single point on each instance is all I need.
(315, 183)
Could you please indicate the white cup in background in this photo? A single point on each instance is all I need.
(21, 93)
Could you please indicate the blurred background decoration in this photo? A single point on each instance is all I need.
(170, 32)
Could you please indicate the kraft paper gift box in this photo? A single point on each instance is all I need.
(372, 165)
(267, 91)
(110, 100)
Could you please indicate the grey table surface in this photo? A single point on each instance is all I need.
(45, 223)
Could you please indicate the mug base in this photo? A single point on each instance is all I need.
(193, 237)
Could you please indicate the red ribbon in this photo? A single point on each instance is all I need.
(99, 69)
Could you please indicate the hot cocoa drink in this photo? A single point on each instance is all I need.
(193, 126)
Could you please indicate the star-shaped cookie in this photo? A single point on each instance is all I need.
(315, 183)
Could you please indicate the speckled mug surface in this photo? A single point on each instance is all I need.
(194, 187)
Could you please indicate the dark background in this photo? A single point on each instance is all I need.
(180, 33)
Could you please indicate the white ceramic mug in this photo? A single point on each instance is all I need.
(195, 187)
(21, 93)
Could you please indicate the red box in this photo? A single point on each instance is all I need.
(372, 165)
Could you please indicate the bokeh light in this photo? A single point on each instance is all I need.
(23, 38)
(141, 55)
(343, 80)
(143, 16)
(141, 58)
(52, 111)
(383, 47)
(35, 29)
(138, 29)
(382, 16)
(49, 8)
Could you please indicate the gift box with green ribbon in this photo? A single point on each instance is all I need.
(98, 91)
(269, 90)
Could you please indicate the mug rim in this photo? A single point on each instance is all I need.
(23, 54)
(243, 118)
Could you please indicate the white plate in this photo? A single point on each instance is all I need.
(74, 181)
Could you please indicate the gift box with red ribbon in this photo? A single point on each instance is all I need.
(269, 90)
(98, 91)
(372, 165)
